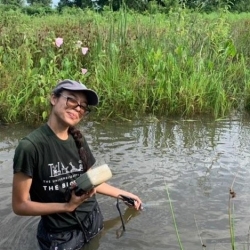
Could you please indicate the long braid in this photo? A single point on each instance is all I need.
(78, 137)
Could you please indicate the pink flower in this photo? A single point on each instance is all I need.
(84, 71)
(59, 42)
(84, 50)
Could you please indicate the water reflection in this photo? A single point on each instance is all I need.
(196, 159)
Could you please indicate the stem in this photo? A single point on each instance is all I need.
(202, 244)
(231, 226)
(231, 222)
(175, 225)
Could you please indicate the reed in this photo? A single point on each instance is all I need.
(181, 64)
(232, 194)
(174, 220)
(199, 234)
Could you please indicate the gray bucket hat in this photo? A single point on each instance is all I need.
(72, 85)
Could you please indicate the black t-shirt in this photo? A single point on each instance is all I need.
(53, 164)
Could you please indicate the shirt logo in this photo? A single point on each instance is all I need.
(60, 169)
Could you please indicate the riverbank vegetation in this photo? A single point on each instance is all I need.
(181, 63)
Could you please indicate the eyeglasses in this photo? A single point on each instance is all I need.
(73, 103)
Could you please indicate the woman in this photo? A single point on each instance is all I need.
(46, 163)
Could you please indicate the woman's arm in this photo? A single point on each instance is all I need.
(22, 205)
(112, 191)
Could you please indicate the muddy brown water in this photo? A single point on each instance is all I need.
(196, 160)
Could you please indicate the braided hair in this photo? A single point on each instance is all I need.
(79, 140)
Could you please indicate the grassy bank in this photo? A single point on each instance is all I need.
(177, 64)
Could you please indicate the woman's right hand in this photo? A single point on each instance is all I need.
(75, 200)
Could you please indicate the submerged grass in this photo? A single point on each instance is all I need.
(231, 213)
(180, 64)
(202, 244)
(232, 195)
(174, 220)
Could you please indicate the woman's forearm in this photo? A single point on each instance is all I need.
(31, 208)
(109, 190)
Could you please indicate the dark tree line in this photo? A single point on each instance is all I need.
(142, 5)
(138, 5)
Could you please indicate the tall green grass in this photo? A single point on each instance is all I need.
(177, 64)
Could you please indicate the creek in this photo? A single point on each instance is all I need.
(197, 161)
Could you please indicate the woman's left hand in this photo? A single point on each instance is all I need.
(112, 191)
(137, 201)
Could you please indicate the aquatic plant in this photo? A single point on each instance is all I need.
(182, 64)
(25, 97)
(232, 195)
(174, 220)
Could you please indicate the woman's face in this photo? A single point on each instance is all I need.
(70, 107)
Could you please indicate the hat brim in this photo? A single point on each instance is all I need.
(91, 95)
